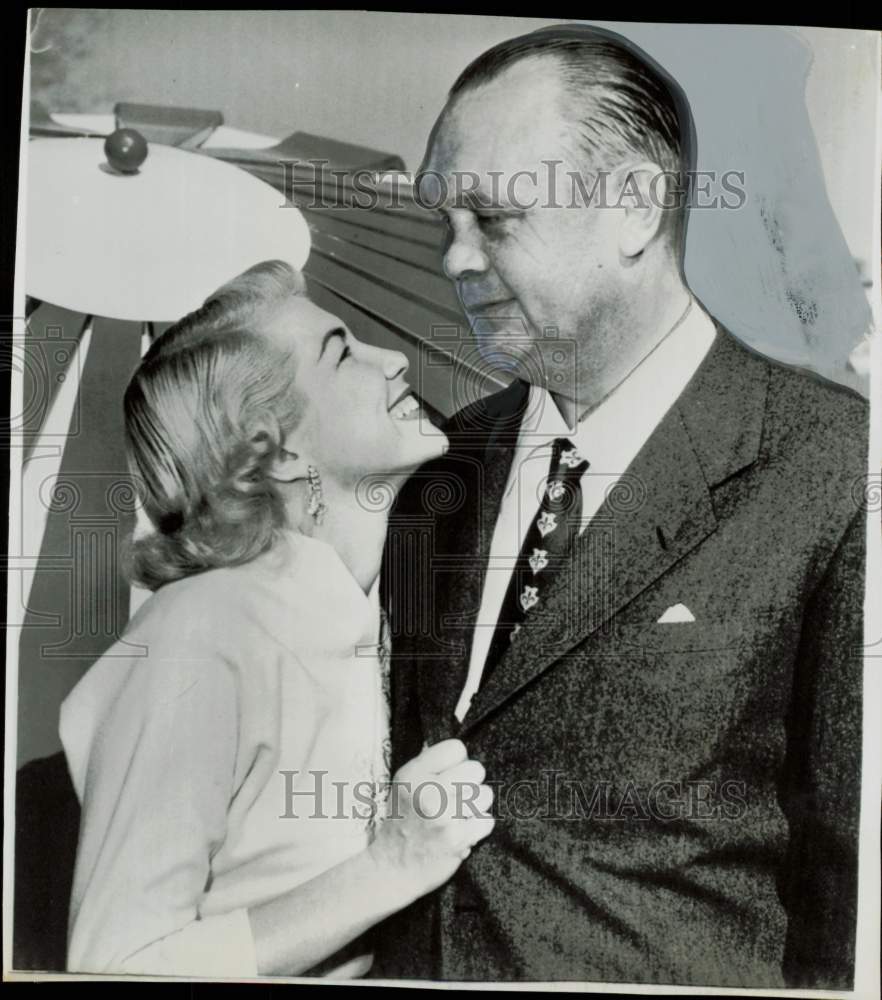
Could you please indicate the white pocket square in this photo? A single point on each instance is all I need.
(676, 613)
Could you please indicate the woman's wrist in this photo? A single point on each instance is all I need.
(307, 924)
(388, 879)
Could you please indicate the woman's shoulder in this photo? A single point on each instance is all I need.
(192, 628)
(203, 602)
(179, 658)
(189, 632)
(297, 598)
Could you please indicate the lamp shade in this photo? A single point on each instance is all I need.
(150, 245)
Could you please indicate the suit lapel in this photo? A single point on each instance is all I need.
(657, 513)
(481, 456)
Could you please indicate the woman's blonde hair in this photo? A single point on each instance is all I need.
(205, 413)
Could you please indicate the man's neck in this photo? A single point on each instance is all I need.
(595, 390)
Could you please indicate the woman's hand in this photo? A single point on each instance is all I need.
(438, 810)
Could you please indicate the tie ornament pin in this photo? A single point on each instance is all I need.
(556, 490)
(546, 522)
(538, 561)
(529, 597)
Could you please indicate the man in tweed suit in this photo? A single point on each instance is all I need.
(674, 725)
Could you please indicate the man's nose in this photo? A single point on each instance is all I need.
(465, 253)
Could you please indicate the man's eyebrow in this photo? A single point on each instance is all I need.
(338, 331)
(476, 201)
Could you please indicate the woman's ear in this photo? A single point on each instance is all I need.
(288, 464)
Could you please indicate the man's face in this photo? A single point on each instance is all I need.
(536, 274)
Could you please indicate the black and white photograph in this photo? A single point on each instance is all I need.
(445, 513)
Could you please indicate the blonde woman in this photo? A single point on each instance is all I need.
(229, 752)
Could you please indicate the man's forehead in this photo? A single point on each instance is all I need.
(512, 123)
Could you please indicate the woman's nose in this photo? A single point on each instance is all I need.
(394, 364)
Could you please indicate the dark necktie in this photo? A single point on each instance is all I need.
(545, 549)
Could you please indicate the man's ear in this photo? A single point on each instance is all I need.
(642, 196)
(288, 464)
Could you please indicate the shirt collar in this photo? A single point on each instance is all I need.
(318, 587)
(637, 404)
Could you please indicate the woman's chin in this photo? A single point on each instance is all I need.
(419, 441)
(430, 443)
(377, 488)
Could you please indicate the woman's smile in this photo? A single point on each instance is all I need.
(406, 408)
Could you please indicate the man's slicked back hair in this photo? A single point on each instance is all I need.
(620, 104)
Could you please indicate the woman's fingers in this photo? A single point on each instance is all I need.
(479, 828)
(483, 800)
(467, 772)
(442, 810)
(464, 834)
(434, 760)
(434, 799)
(447, 789)
(469, 797)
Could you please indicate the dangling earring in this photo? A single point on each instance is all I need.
(317, 507)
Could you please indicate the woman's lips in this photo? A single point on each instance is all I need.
(406, 408)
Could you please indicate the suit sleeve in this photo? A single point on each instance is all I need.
(159, 780)
(822, 795)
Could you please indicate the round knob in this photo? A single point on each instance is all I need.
(126, 150)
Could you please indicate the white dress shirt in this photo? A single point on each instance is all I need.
(609, 437)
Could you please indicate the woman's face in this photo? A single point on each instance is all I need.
(360, 416)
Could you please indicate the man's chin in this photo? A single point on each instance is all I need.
(509, 356)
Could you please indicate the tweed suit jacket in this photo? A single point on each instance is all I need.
(677, 803)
